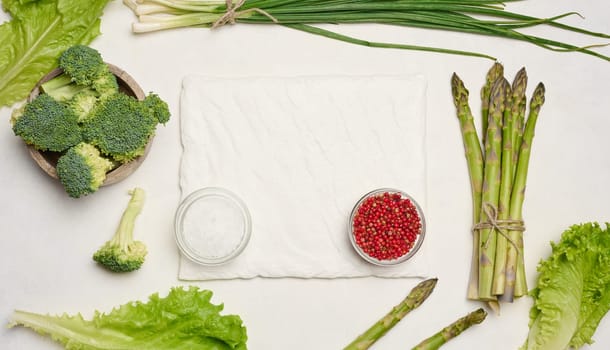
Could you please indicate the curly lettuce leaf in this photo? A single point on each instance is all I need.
(573, 291)
(184, 319)
(37, 34)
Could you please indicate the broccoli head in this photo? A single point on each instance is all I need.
(82, 63)
(48, 125)
(84, 69)
(82, 103)
(157, 107)
(122, 253)
(105, 84)
(82, 170)
(120, 126)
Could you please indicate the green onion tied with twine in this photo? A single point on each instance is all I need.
(483, 17)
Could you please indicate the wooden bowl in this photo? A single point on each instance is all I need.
(47, 160)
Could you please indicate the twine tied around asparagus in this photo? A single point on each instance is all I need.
(232, 13)
(501, 226)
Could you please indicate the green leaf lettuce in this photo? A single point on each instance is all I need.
(573, 290)
(38, 32)
(184, 319)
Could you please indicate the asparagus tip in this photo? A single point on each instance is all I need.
(422, 291)
(478, 315)
(538, 96)
(458, 90)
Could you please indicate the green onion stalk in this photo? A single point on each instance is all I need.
(482, 17)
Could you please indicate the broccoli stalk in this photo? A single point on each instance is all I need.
(60, 88)
(122, 253)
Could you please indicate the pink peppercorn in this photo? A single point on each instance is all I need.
(386, 226)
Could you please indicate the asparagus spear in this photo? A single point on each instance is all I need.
(452, 331)
(491, 187)
(511, 136)
(519, 107)
(415, 298)
(474, 159)
(509, 159)
(516, 284)
(495, 72)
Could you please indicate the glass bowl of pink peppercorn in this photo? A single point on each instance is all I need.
(386, 227)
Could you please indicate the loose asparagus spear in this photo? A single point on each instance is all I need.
(491, 187)
(474, 159)
(495, 72)
(415, 298)
(515, 273)
(452, 331)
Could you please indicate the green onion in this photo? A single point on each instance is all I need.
(483, 17)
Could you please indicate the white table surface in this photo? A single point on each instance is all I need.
(47, 239)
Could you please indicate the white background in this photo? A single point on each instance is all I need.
(46, 238)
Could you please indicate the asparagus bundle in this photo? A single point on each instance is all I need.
(415, 298)
(452, 331)
(498, 169)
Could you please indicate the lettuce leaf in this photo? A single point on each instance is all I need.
(184, 319)
(38, 32)
(573, 291)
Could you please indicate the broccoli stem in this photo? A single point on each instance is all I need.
(124, 233)
(61, 88)
(65, 92)
(56, 83)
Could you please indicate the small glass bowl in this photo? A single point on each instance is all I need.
(416, 245)
(212, 226)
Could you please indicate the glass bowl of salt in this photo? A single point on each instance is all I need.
(212, 226)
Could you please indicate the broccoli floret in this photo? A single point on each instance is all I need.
(157, 107)
(47, 125)
(122, 253)
(120, 126)
(82, 170)
(83, 69)
(83, 103)
(82, 63)
(105, 84)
